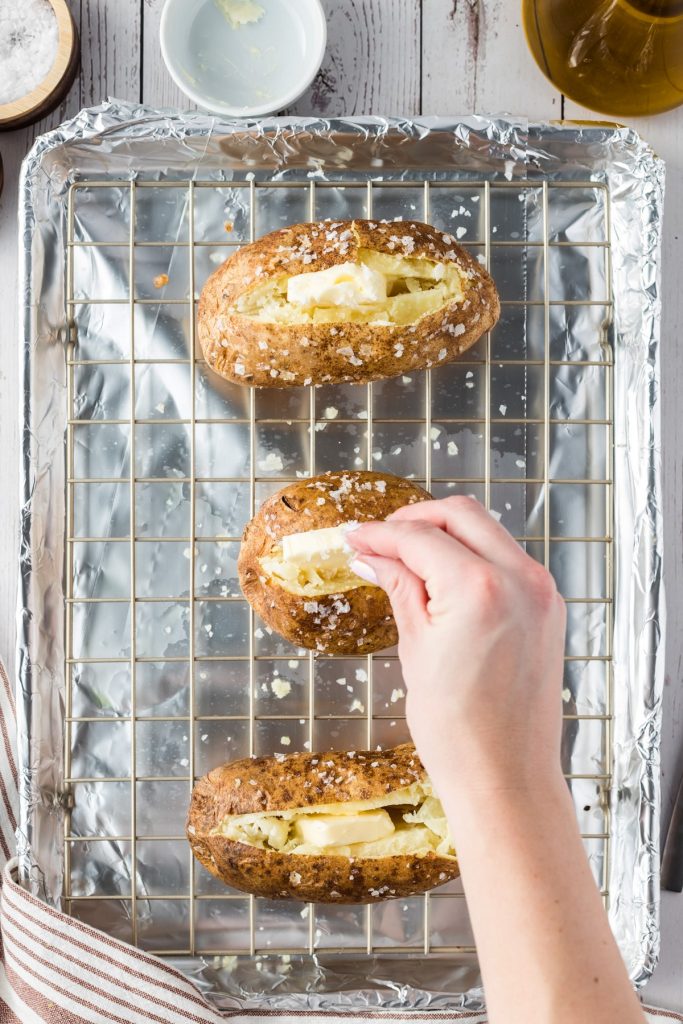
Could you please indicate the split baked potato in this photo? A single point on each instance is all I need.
(355, 827)
(312, 597)
(328, 302)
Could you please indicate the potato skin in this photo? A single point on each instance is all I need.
(248, 352)
(278, 784)
(356, 621)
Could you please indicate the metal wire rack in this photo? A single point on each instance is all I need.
(147, 890)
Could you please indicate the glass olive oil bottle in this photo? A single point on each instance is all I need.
(619, 57)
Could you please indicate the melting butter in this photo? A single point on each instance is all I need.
(347, 284)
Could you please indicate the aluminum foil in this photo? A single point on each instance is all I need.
(580, 187)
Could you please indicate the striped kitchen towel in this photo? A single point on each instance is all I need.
(56, 970)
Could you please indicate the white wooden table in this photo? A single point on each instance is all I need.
(404, 57)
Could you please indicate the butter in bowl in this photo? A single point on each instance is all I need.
(243, 58)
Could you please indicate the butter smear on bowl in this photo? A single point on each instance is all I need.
(240, 12)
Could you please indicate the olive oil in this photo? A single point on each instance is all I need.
(618, 57)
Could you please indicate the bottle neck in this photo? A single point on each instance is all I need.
(656, 8)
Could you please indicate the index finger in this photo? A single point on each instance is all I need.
(425, 549)
(467, 521)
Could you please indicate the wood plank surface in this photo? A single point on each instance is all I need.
(158, 88)
(372, 63)
(475, 59)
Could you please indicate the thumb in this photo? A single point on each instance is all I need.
(405, 590)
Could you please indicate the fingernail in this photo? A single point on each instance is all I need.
(362, 569)
(350, 526)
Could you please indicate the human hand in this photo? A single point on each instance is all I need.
(481, 641)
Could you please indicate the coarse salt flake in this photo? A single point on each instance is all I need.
(281, 688)
(271, 463)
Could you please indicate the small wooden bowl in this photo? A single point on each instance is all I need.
(54, 87)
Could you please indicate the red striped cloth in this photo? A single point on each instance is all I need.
(56, 970)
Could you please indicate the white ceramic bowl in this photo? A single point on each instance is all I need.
(246, 71)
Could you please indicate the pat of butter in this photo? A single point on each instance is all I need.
(316, 547)
(348, 284)
(240, 12)
(344, 829)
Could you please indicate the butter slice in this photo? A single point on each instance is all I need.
(323, 830)
(326, 547)
(348, 284)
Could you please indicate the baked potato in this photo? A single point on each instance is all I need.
(356, 827)
(353, 301)
(294, 562)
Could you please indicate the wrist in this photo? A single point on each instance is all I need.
(490, 769)
(464, 780)
(500, 805)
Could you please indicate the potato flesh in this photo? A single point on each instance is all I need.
(420, 827)
(415, 287)
(317, 578)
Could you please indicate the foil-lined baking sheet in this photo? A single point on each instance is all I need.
(553, 422)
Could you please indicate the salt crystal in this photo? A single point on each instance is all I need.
(281, 688)
(272, 462)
